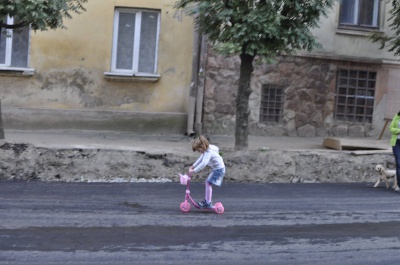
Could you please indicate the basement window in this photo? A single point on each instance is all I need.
(272, 101)
(355, 96)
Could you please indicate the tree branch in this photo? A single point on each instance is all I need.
(226, 3)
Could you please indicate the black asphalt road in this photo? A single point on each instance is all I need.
(140, 223)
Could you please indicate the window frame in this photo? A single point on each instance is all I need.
(357, 26)
(272, 104)
(6, 66)
(344, 102)
(136, 44)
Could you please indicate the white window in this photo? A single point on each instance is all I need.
(359, 13)
(135, 41)
(14, 46)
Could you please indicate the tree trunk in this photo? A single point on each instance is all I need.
(242, 102)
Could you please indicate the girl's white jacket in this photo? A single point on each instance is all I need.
(210, 158)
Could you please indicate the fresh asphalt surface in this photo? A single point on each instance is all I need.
(140, 223)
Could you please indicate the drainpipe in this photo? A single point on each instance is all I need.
(198, 126)
(1, 120)
(193, 83)
(1, 125)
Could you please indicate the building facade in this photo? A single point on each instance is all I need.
(139, 66)
(346, 88)
(121, 65)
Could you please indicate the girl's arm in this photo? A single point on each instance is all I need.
(198, 161)
(394, 125)
(204, 161)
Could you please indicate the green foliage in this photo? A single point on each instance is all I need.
(257, 27)
(39, 14)
(391, 42)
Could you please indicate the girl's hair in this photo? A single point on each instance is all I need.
(398, 113)
(200, 142)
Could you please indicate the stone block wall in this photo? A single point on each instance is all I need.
(309, 89)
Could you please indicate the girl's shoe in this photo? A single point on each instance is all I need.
(205, 204)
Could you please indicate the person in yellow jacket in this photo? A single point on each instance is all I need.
(395, 143)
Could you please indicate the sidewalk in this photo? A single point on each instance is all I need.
(152, 143)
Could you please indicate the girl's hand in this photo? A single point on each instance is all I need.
(191, 170)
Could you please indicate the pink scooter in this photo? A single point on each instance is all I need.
(185, 206)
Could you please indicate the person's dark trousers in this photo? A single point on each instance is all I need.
(396, 153)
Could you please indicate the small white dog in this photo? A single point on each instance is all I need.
(386, 175)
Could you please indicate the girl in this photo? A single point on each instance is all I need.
(395, 143)
(209, 157)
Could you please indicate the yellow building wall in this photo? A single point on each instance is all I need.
(70, 64)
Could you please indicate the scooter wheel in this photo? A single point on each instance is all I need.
(185, 207)
(219, 208)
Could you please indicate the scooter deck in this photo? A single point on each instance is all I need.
(206, 208)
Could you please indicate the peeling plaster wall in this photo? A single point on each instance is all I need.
(69, 66)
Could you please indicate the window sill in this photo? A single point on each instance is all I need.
(16, 71)
(355, 32)
(131, 77)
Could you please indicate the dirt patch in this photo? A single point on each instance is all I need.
(26, 162)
